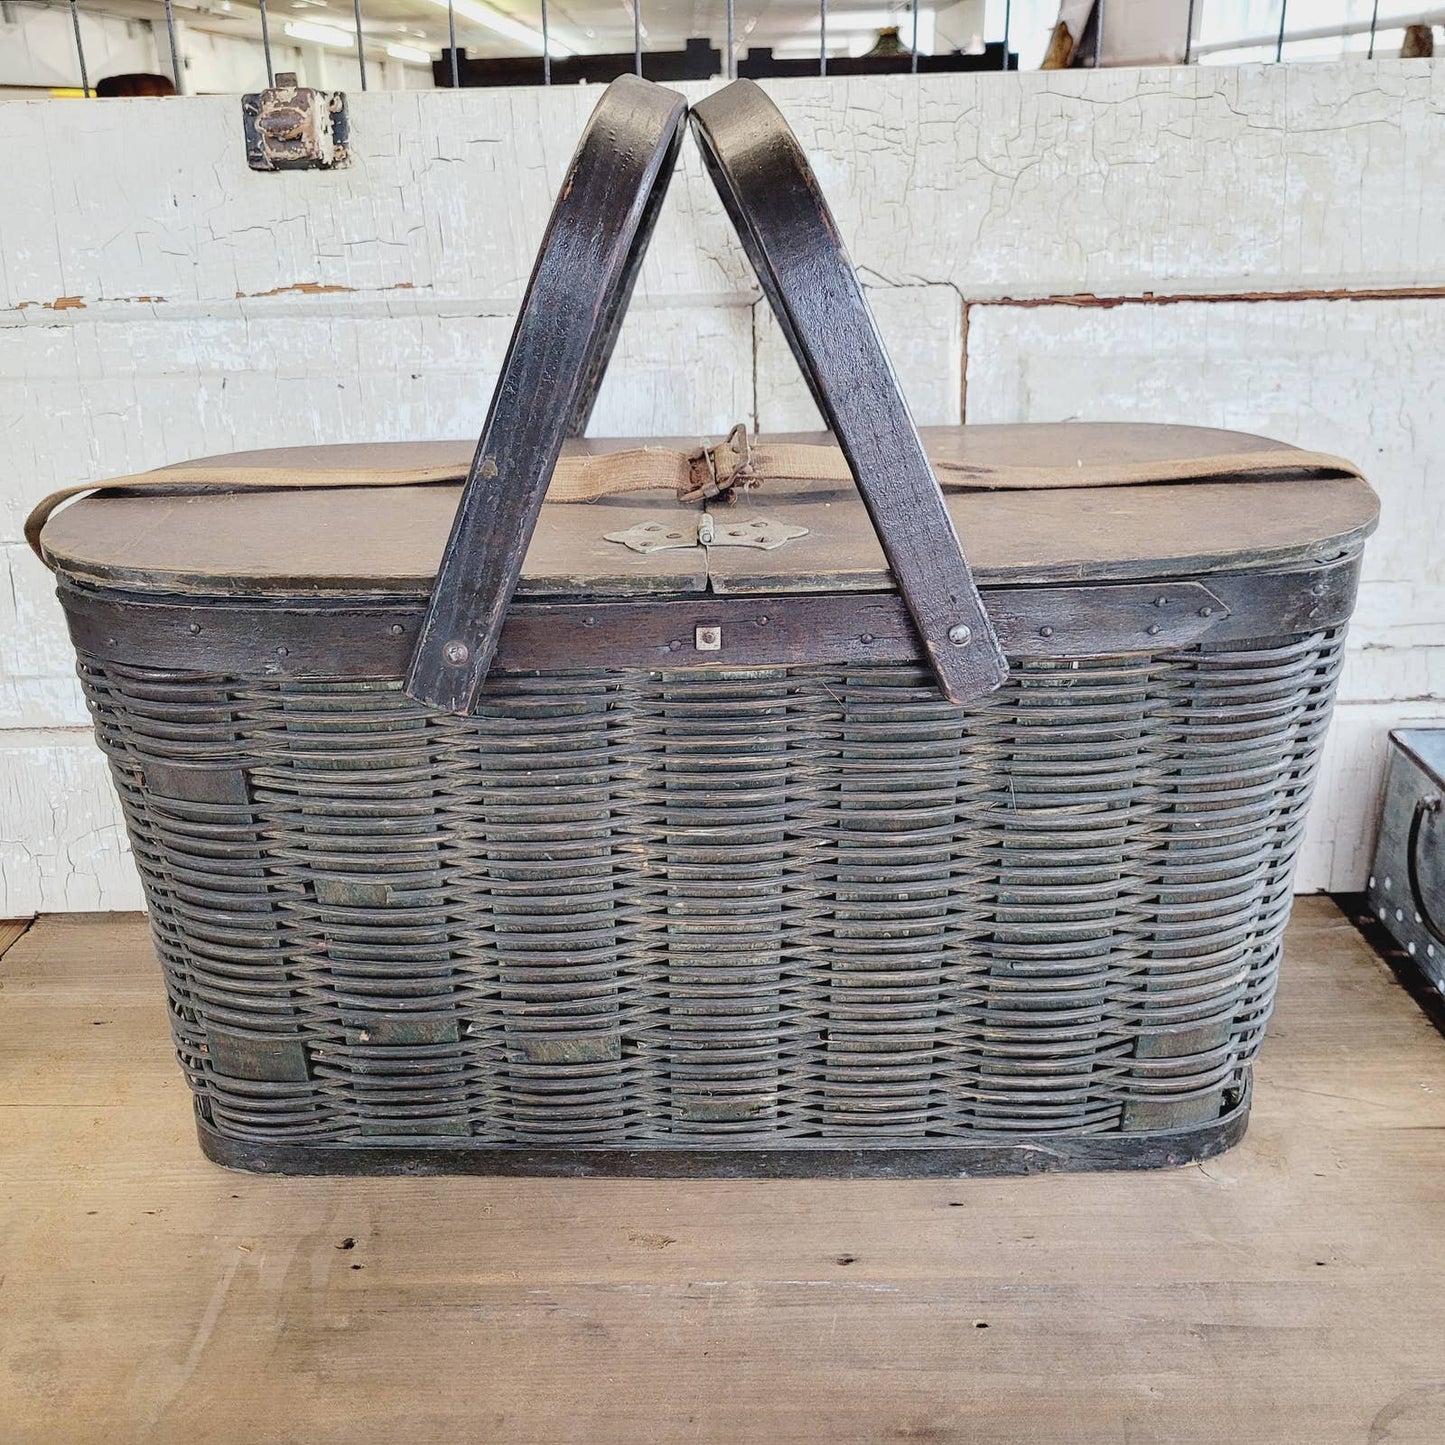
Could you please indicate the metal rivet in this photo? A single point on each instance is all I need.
(456, 653)
(763, 620)
(111, 642)
(1318, 590)
(867, 637)
(1046, 632)
(1161, 602)
(960, 634)
(1206, 612)
(674, 647)
(194, 629)
(589, 622)
(397, 629)
(1154, 629)
(282, 651)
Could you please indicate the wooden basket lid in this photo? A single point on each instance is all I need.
(389, 539)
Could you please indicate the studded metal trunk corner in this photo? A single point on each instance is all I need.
(623, 914)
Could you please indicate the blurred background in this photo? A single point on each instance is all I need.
(65, 48)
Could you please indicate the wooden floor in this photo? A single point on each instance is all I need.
(1292, 1290)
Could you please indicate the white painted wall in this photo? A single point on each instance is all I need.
(37, 48)
(159, 301)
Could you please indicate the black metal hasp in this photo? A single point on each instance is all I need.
(565, 332)
(774, 200)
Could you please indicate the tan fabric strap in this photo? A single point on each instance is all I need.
(737, 462)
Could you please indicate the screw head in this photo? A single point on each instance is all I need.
(960, 634)
(1046, 632)
(397, 629)
(1153, 629)
(456, 653)
(194, 629)
(282, 651)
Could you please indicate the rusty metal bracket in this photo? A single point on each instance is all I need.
(293, 128)
(716, 471)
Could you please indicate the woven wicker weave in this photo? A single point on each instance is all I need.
(807, 906)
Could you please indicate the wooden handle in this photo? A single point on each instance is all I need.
(774, 200)
(600, 226)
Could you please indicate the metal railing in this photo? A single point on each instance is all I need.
(1089, 47)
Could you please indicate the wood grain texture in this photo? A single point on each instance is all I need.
(1287, 1292)
(392, 538)
(371, 639)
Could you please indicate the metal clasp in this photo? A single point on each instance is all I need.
(714, 471)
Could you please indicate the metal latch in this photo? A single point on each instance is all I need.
(761, 532)
(293, 128)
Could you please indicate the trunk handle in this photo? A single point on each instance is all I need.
(773, 198)
(566, 329)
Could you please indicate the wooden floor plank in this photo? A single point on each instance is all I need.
(12, 930)
(1291, 1290)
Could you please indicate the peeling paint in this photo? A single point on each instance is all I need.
(300, 288)
(61, 303)
(317, 288)
(1189, 298)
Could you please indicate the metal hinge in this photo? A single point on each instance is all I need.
(761, 532)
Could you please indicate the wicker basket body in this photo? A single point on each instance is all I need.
(797, 907)
(484, 831)
(734, 916)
